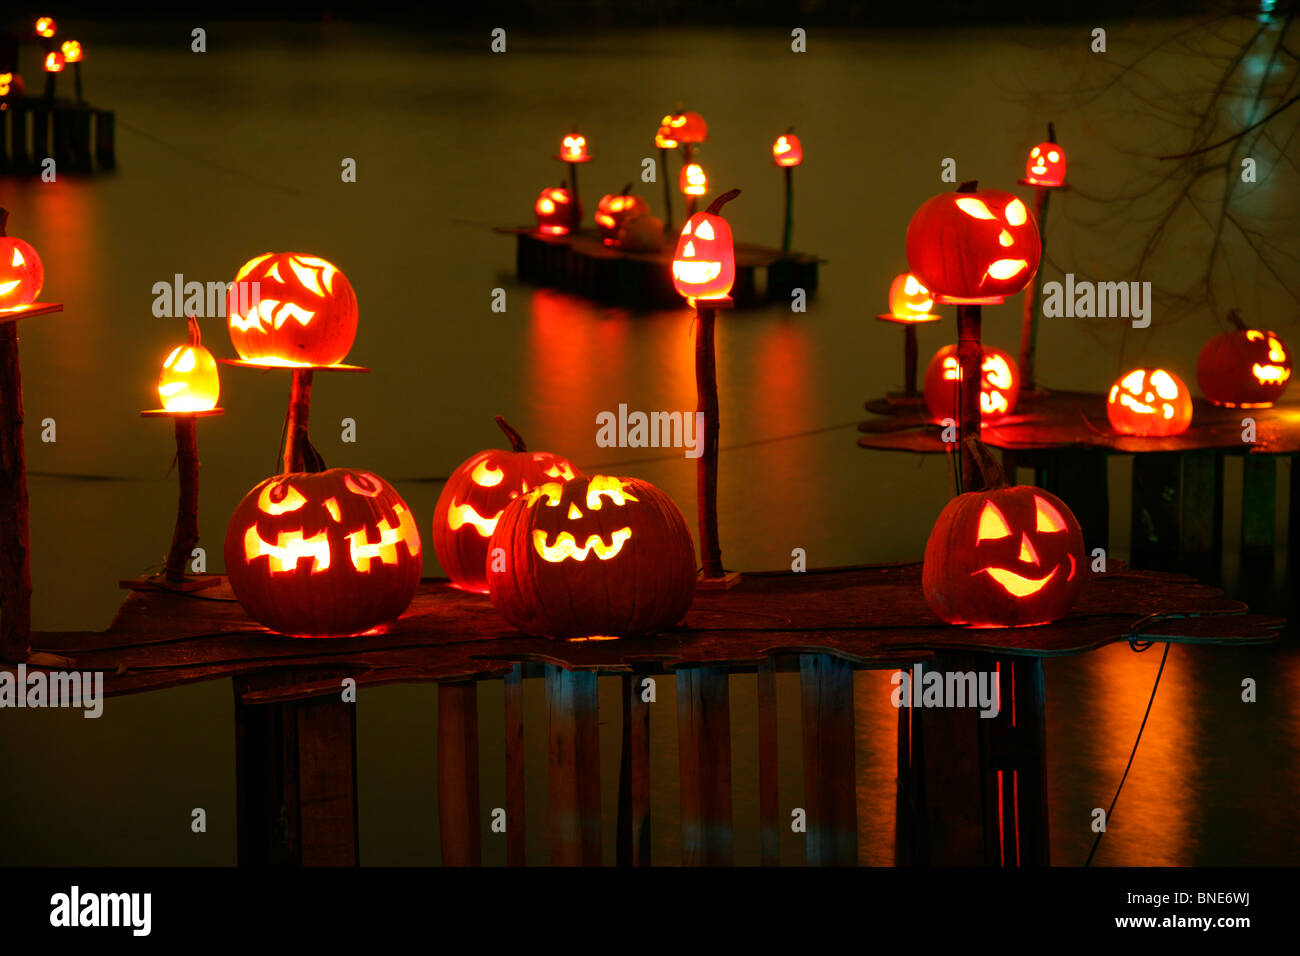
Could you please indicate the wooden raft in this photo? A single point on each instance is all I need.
(296, 740)
(584, 265)
(80, 138)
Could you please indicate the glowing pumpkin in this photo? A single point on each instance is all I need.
(1249, 368)
(1046, 165)
(598, 556)
(189, 381)
(645, 233)
(54, 62)
(692, 180)
(1149, 402)
(664, 137)
(21, 272)
(71, 50)
(573, 148)
(11, 89)
(787, 150)
(1003, 557)
(973, 246)
(999, 384)
(474, 498)
(46, 27)
(909, 300)
(704, 264)
(319, 554)
(687, 127)
(304, 312)
(554, 214)
(614, 210)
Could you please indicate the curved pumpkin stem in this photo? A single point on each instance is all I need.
(970, 186)
(626, 189)
(195, 337)
(1051, 132)
(1235, 321)
(991, 473)
(4, 219)
(516, 440)
(715, 207)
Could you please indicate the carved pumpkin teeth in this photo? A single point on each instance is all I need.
(566, 546)
(1275, 374)
(697, 272)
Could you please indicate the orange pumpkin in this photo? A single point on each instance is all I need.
(304, 312)
(1149, 403)
(554, 213)
(21, 273)
(1046, 165)
(704, 264)
(1248, 368)
(616, 209)
(686, 127)
(999, 384)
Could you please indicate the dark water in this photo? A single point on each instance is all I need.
(237, 151)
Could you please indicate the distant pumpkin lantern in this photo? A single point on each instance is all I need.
(11, 89)
(665, 138)
(46, 27)
(599, 556)
(687, 127)
(554, 211)
(304, 312)
(1248, 368)
(787, 150)
(71, 50)
(614, 210)
(21, 273)
(1149, 403)
(693, 181)
(973, 247)
(330, 553)
(704, 264)
(189, 381)
(54, 62)
(474, 498)
(573, 148)
(999, 384)
(909, 300)
(1046, 165)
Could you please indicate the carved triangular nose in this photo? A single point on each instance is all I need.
(1027, 552)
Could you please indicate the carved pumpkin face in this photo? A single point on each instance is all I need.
(474, 498)
(11, 89)
(189, 381)
(687, 127)
(613, 211)
(554, 211)
(692, 180)
(1046, 165)
(71, 50)
(1244, 369)
(21, 274)
(46, 27)
(1149, 402)
(704, 265)
(909, 300)
(573, 149)
(787, 150)
(1004, 558)
(305, 312)
(665, 138)
(999, 384)
(54, 62)
(331, 553)
(593, 556)
(973, 247)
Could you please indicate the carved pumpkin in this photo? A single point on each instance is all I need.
(787, 150)
(975, 246)
(54, 62)
(614, 210)
(474, 498)
(573, 148)
(1003, 557)
(71, 51)
(305, 312)
(1149, 403)
(327, 553)
(21, 273)
(46, 27)
(1046, 165)
(1248, 368)
(554, 214)
(645, 233)
(598, 556)
(692, 180)
(189, 381)
(704, 264)
(999, 384)
(687, 127)
(11, 89)
(664, 136)
(909, 300)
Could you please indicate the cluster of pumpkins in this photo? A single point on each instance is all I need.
(623, 221)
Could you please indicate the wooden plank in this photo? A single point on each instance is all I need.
(1258, 519)
(704, 760)
(829, 777)
(459, 828)
(1201, 531)
(1078, 476)
(769, 803)
(516, 815)
(907, 796)
(1030, 700)
(1157, 511)
(634, 776)
(574, 767)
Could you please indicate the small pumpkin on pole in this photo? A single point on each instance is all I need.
(1045, 171)
(910, 305)
(787, 152)
(666, 142)
(573, 153)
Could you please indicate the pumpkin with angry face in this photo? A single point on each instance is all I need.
(334, 552)
(555, 216)
(474, 498)
(909, 301)
(304, 312)
(704, 265)
(598, 556)
(1149, 403)
(21, 273)
(1248, 368)
(999, 384)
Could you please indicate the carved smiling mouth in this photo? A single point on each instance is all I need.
(566, 546)
(1273, 374)
(697, 272)
(1017, 584)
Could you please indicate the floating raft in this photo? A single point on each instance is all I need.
(583, 264)
(80, 138)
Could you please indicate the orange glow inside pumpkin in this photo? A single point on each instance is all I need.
(664, 136)
(1046, 165)
(574, 148)
(998, 377)
(54, 62)
(1016, 214)
(565, 546)
(693, 181)
(1149, 402)
(46, 27)
(71, 51)
(787, 150)
(1274, 373)
(704, 265)
(189, 381)
(552, 209)
(6, 83)
(993, 526)
(909, 300)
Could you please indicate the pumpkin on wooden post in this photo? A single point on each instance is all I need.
(1245, 368)
(1045, 171)
(573, 153)
(555, 214)
(999, 388)
(665, 141)
(787, 153)
(910, 304)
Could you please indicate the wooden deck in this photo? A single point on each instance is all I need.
(33, 129)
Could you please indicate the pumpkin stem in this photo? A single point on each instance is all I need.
(516, 440)
(4, 218)
(1051, 132)
(970, 186)
(715, 207)
(312, 462)
(1236, 321)
(195, 337)
(990, 471)
(626, 189)
(789, 131)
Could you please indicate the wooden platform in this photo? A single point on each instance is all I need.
(80, 138)
(584, 265)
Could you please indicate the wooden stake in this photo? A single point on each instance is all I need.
(15, 535)
(295, 438)
(909, 361)
(789, 209)
(706, 387)
(573, 198)
(1029, 324)
(970, 359)
(186, 535)
(668, 190)
(76, 77)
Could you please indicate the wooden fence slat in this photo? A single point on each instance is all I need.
(516, 814)
(830, 783)
(704, 752)
(1030, 690)
(634, 777)
(1157, 511)
(769, 802)
(1258, 518)
(459, 826)
(1202, 514)
(574, 767)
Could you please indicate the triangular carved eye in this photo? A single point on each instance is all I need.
(686, 230)
(992, 524)
(1049, 519)
(705, 231)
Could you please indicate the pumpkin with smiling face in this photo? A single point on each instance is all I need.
(973, 245)
(1046, 165)
(1149, 403)
(1003, 556)
(599, 556)
(329, 553)
(704, 265)
(1248, 368)
(21, 273)
(474, 497)
(304, 312)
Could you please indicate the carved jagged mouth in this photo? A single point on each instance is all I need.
(1272, 374)
(698, 272)
(460, 515)
(566, 546)
(1017, 585)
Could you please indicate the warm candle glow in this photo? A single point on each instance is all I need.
(574, 148)
(189, 381)
(909, 300)
(46, 27)
(1046, 165)
(787, 150)
(693, 181)
(54, 62)
(71, 51)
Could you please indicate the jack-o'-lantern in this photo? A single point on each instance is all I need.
(687, 127)
(787, 150)
(645, 233)
(71, 51)
(1149, 403)
(909, 300)
(21, 273)
(54, 62)
(304, 311)
(598, 556)
(46, 27)
(1046, 165)
(554, 214)
(665, 138)
(614, 210)
(1003, 556)
(974, 246)
(704, 264)
(693, 181)
(999, 384)
(11, 89)
(474, 498)
(334, 552)
(573, 149)
(189, 381)
(1248, 368)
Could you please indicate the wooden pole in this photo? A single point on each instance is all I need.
(186, 535)
(970, 358)
(573, 198)
(789, 209)
(706, 387)
(295, 436)
(76, 77)
(1029, 324)
(909, 361)
(668, 190)
(15, 536)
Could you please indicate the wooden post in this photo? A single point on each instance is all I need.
(788, 232)
(668, 190)
(295, 436)
(909, 361)
(15, 536)
(769, 805)
(1029, 323)
(575, 204)
(970, 359)
(706, 387)
(1156, 511)
(830, 791)
(459, 829)
(516, 834)
(634, 777)
(186, 535)
(704, 760)
(574, 761)
(76, 78)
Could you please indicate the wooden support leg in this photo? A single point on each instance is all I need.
(15, 557)
(1293, 531)
(516, 842)
(296, 776)
(634, 777)
(460, 832)
(1157, 510)
(704, 756)
(1078, 476)
(1258, 521)
(830, 792)
(1202, 518)
(1019, 749)
(769, 803)
(574, 767)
